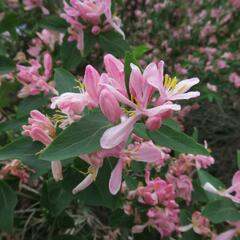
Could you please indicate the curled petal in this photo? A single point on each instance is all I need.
(161, 109)
(119, 133)
(116, 178)
(57, 170)
(228, 235)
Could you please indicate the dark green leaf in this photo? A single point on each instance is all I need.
(238, 158)
(14, 124)
(30, 103)
(178, 141)
(8, 201)
(6, 65)
(25, 149)
(55, 197)
(113, 42)
(89, 42)
(54, 23)
(205, 177)
(81, 137)
(221, 210)
(70, 55)
(10, 21)
(64, 80)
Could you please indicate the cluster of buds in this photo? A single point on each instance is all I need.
(90, 12)
(34, 82)
(41, 129)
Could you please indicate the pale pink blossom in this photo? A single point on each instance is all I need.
(141, 93)
(235, 79)
(41, 129)
(233, 192)
(235, 3)
(229, 234)
(200, 225)
(17, 169)
(212, 87)
(33, 79)
(31, 4)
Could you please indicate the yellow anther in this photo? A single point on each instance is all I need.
(170, 83)
(80, 85)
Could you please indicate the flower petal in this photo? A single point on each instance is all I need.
(163, 108)
(116, 178)
(119, 133)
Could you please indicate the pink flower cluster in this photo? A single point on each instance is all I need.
(31, 4)
(32, 78)
(90, 12)
(41, 129)
(164, 213)
(45, 38)
(17, 169)
(234, 78)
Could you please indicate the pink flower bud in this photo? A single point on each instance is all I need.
(57, 170)
(154, 123)
(110, 106)
(96, 30)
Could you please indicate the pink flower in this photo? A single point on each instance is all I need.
(212, 87)
(141, 93)
(89, 11)
(230, 234)
(17, 169)
(49, 38)
(233, 192)
(41, 129)
(200, 225)
(235, 79)
(31, 4)
(109, 106)
(235, 3)
(33, 80)
(183, 186)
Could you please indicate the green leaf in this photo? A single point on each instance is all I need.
(129, 58)
(139, 51)
(9, 22)
(25, 149)
(205, 177)
(13, 124)
(141, 130)
(70, 55)
(54, 23)
(81, 137)
(89, 42)
(132, 183)
(64, 80)
(172, 124)
(8, 93)
(8, 201)
(30, 103)
(220, 211)
(113, 42)
(55, 197)
(238, 158)
(178, 141)
(6, 65)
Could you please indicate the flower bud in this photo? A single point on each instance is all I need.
(154, 123)
(109, 106)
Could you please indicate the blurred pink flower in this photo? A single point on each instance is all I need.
(31, 4)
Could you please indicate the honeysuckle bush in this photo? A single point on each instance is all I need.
(92, 136)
